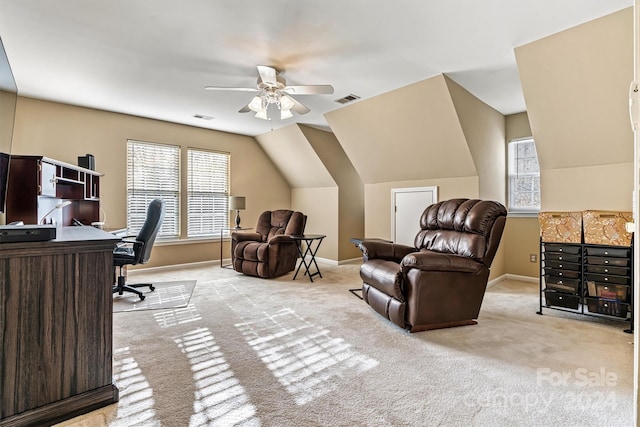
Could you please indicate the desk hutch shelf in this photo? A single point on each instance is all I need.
(37, 184)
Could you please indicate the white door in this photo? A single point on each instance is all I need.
(407, 207)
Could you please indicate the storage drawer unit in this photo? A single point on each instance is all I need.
(562, 275)
(608, 279)
(589, 279)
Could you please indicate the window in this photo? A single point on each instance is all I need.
(153, 172)
(207, 192)
(524, 176)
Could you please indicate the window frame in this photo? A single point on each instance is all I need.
(151, 189)
(511, 173)
(219, 189)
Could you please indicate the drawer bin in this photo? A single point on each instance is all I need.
(569, 274)
(610, 252)
(565, 249)
(562, 265)
(606, 269)
(612, 292)
(562, 284)
(618, 262)
(559, 256)
(610, 308)
(608, 278)
(561, 300)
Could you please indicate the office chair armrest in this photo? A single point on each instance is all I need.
(137, 244)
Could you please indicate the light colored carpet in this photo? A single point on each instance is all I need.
(174, 294)
(252, 352)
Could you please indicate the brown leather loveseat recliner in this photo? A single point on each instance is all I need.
(440, 282)
(269, 251)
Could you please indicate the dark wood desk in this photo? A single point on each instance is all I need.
(56, 327)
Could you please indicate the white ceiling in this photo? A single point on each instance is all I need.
(154, 58)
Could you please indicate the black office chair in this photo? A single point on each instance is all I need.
(138, 250)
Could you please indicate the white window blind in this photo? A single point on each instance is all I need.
(153, 172)
(207, 192)
(524, 176)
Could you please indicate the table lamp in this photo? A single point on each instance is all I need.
(237, 203)
(58, 206)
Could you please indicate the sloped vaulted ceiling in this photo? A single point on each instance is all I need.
(575, 85)
(290, 151)
(411, 133)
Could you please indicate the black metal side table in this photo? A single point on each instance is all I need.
(309, 241)
(222, 230)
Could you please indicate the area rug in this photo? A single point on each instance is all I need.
(166, 295)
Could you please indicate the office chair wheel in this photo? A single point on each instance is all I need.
(153, 288)
(142, 297)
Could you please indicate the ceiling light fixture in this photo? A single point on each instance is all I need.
(261, 103)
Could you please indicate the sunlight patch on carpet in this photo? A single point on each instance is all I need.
(166, 295)
(220, 399)
(136, 395)
(304, 358)
(177, 316)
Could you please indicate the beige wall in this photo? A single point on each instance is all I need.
(484, 131)
(575, 84)
(378, 200)
(412, 133)
(322, 203)
(350, 190)
(521, 238)
(64, 132)
(604, 187)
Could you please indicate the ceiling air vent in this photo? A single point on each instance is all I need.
(347, 98)
(202, 116)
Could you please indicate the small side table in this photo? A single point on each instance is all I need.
(222, 230)
(308, 240)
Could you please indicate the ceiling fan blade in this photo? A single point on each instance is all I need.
(298, 106)
(244, 109)
(268, 75)
(309, 90)
(237, 89)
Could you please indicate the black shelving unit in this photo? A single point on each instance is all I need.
(587, 279)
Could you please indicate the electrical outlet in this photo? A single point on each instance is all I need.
(533, 258)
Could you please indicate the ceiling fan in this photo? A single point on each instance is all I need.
(273, 91)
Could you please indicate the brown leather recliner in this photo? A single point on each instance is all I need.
(269, 251)
(440, 282)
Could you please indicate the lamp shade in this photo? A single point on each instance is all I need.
(236, 203)
(256, 104)
(286, 103)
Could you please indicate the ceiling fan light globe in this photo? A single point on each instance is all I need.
(256, 104)
(262, 114)
(285, 114)
(286, 103)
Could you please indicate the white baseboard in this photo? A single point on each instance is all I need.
(175, 266)
(513, 277)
